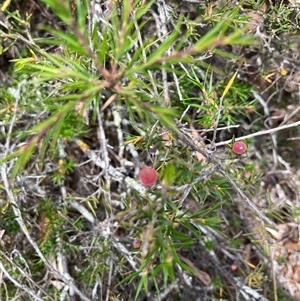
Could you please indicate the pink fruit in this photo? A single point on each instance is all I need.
(136, 243)
(239, 147)
(148, 176)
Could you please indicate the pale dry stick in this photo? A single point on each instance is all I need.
(25, 274)
(162, 31)
(260, 133)
(176, 81)
(188, 187)
(208, 233)
(267, 89)
(274, 149)
(111, 263)
(147, 236)
(188, 75)
(19, 285)
(105, 156)
(102, 17)
(105, 232)
(10, 128)
(83, 211)
(113, 172)
(123, 251)
(163, 295)
(263, 36)
(246, 290)
(184, 113)
(135, 155)
(140, 40)
(153, 128)
(212, 256)
(63, 267)
(270, 123)
(103, 143)
(17, 37)
(61, 258)
(290, 116)
(272, 252)
(90, 25)
(117, 123)
(262, 102)
(215, 236)
(189, 141)
(91, 22)
(246, 199)
(96, 294)
(220, 108)
(254, 294)
(24, 229)
(3, 284)
(210, 130)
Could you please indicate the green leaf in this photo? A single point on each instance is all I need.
(143, 284)
(228, 86)
(61, 9)
(81, 15)
(25, 152)
(158, 54)
(69, 40)
(166, 116)
(169, 174)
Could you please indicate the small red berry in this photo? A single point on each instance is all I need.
(148, 176)
(136, 243)
(239, 147)
(109, 6)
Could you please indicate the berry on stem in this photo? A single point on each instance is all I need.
(239, 147)
(148, 176)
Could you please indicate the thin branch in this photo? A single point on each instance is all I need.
(24, 229)
(220, 108)
(260, 133)
(10, 129)
(208, 156)
(246, 199)
(19, 285)
(25, 274)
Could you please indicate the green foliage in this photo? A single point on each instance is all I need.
(64, 168)
(8, 218)
(281, 19)
(95, 265)
(169, 229)
(83, 75)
